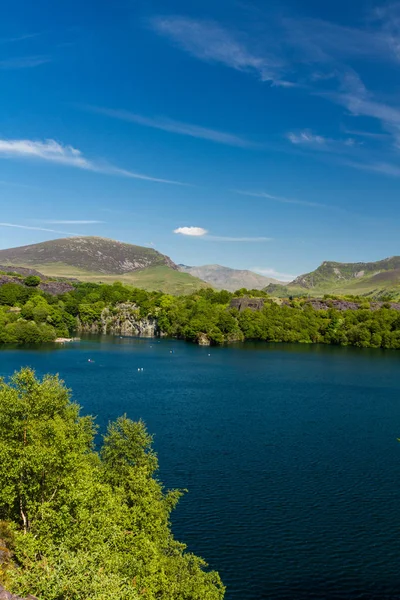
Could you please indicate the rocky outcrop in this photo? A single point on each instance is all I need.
(251, 303)
(203, 339)
(124, 319)
(4, 595)
(347, 305)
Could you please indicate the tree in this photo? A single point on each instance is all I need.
(86, 525)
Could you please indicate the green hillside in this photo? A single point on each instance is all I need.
(377, 279)
(101, 260)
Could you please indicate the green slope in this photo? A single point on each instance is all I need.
(160, 278)
(96, 254)
(99, 259)
(377, 279)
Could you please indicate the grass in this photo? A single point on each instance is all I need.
(161, 278)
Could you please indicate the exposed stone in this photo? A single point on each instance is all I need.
(203, 339)
(252, 303)
(124, 319)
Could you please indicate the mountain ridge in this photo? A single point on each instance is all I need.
(97, 259)
(92, 253)
(363, 278)
(226, 278)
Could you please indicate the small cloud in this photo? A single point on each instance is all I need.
(203, 233)
(193, 231)
(270, 272)
(306, 137)
(284, 84)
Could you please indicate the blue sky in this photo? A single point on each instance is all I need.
(261, 135)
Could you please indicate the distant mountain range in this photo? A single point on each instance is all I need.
(100, 259)
(224, 278)
(373, 278)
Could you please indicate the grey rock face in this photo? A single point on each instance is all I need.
(252, 303)
(124, 319)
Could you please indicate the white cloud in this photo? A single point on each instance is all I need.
(36, 228)
(203, 233)
(23, 62)
(48, 150)
(192, 231)
(210, 42)
(270, 272)
(172, 126)
(52, 151)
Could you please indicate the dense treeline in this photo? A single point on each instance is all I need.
(29, 315)
(77, 524)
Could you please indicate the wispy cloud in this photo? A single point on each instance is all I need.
(368, 134)
(281, 199)
(52, 151)
(17, 184)
(73, 222)
(270, 272)
(202, 233)
(222, 238)
(210, 42)
(310, 56)
(20, 38)
(172, 126)
(306, 137)
(17, 226)
(23, 62)
(309, 140)
(391, 169)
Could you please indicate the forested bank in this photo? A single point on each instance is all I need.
(81, 524)
(29, 315)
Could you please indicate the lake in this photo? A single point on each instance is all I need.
(289, 454)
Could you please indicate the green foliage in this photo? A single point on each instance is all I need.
(81, 524)
(205, 314)
(32, 281)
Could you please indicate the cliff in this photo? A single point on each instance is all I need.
(124, 319)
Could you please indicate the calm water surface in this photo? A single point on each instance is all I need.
(289, 453)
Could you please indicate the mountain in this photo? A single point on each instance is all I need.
(224, 278)
(364, 278)
(101, 259)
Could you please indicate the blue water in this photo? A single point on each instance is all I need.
(289, 453)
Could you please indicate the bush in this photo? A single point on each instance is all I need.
(32, 281)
